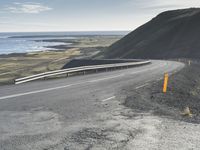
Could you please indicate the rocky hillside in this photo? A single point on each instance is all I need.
(171, 34)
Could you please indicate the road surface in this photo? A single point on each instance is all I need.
(80, 112)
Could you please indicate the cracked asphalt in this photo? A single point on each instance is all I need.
(82, 112)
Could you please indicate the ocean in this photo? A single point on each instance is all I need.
(32, 41)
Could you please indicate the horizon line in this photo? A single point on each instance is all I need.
(66, 31)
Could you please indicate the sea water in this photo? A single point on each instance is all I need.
(28, 42)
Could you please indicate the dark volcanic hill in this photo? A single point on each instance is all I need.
(172, 34)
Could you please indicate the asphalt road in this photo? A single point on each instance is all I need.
(71, 113)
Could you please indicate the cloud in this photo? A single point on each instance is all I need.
(29, 8)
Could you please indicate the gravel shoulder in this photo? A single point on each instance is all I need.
(183, 91)
(170, 129)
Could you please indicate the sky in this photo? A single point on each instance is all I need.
(82, 15)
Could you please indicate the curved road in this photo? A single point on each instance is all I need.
(75, 112)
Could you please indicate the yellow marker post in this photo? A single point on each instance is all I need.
(165, 82)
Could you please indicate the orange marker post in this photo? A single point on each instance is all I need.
(165, 82)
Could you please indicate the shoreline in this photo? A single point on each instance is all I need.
(24, 54)
(56, 48)
(81, 42)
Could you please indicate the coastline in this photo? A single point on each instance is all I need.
(56, 48)
(81, 42)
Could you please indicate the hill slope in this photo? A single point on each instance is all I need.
(172, 34)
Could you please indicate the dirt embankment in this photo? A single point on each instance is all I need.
(183, 91)
(89, 62)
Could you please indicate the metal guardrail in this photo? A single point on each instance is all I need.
(77, 69)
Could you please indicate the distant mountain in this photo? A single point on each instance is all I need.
(172, 34)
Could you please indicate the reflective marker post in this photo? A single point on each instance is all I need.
(165, 82)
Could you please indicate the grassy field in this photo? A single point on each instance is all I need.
(20, 65)
(33, 63)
